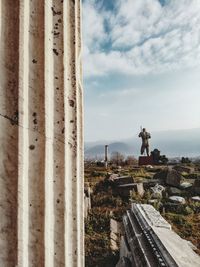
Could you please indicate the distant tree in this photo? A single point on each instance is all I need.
(185, 160)
(131, 160)
(117, 158)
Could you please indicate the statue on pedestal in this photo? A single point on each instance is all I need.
(145, 141)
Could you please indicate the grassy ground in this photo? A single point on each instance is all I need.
(97, 228)
(106, 204)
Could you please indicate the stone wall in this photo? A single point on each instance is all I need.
(41, 136)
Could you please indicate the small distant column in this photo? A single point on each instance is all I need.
(106, 156)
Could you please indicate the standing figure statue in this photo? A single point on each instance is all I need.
(145, 141)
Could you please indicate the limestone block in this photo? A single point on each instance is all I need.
(115, 226)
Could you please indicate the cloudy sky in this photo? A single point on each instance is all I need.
(141, 63)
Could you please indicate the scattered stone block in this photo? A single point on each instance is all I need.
(186, 169)
(170, 177)
(152, 216)
(197, 183)
(113, 177)
(196, 199)
(161, 175)
(177, 199)
(87, 200)
(174, 191)
(114, 241)
(185, 185)
(115, 234)
(140, 189)
(157, 191)
(123, 180)
(148, 183)
(152, 201)
(124, 189)
(149, 167)
(87, 205)
(115, 226)
(173, 178)
(196, 186)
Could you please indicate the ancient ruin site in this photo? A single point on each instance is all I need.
(142, 214)
(99, 133)
(142, 133)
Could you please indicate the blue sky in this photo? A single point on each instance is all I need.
(141, 65)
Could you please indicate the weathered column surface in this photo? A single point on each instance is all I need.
(41, 134)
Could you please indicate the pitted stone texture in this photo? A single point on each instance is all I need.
(9, 59)
(41, 137)
(153, 217)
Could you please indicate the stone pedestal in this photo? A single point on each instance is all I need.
(146, 160)
(41, 137)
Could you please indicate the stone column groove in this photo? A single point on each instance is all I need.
(41, 137)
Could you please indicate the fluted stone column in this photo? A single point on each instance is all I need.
(41, 134)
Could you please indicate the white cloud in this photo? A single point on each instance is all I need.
(170, 103)
(93, 26)
(121, 94)
(144, 37)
